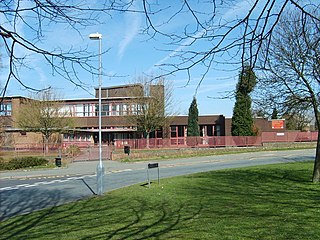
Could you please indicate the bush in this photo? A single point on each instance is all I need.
(22, 162)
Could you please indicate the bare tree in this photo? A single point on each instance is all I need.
(227, 32)
(231, 30)
(300, 120)
(153, 105)
(292, 69)
(44, 115)
(24, 28)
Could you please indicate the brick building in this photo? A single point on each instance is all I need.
(117, 103)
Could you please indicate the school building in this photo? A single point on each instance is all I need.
(117, 103)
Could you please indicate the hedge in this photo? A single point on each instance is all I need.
(22, 162)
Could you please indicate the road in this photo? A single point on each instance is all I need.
(22, 192)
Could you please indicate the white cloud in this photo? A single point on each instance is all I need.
(132, 27)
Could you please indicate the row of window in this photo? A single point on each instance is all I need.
(176, 132)
(5, 109)
(110, 109)
(205, 131)
(87, 109)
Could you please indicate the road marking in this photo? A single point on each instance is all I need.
(37, 184)
(42, 183)
(120, 171)
(8, 188)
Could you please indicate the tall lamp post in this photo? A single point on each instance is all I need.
(100, 167)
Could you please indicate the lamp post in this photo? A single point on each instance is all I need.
(100, 167)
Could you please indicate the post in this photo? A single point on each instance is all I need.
(100, 167)
(153, 165)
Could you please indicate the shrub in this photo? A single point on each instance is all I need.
(22, 162)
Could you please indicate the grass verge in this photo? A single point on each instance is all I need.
(265, 202)
(165, 154)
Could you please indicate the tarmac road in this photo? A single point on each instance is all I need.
(22, 192)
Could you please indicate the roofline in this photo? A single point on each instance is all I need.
(119, 86)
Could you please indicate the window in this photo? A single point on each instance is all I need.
(120, 109)
(5, 109)
(66, 110)
(125, 109)
(105, 110)
(159, 133)
(78, 110)
(114, 110)
(173, 131)
(147, 90)
(210, 130)
(86, 109)
(180, 131)
(133, 109)
(217, 130)
(139, 109)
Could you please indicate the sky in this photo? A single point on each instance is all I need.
(128, 53)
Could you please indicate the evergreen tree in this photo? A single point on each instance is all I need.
(242, 120)
(193, 126)
(274, 114)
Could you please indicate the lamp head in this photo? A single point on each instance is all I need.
(95, 36)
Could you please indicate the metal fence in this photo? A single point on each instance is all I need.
(219, 141)
(89, 151)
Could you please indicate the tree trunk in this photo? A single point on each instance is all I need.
(148, 138)
(316, 168)
(46, 144)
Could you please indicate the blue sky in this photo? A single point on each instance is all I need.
(130, 54)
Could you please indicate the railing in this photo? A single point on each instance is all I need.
(90, 149)
(219, 141)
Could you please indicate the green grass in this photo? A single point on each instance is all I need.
(165, 154)
(266, 202)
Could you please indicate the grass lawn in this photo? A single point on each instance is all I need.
(265, 202)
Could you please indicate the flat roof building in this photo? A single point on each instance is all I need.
(118, 102)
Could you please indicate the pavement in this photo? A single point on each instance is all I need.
(72, 169)
(89, 168)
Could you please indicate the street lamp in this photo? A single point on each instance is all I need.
(100, 167)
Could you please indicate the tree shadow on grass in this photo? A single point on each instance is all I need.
(222, 203)
(107, 217)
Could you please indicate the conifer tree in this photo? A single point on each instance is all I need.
(274, 114)
(193, 126)
(242, 120)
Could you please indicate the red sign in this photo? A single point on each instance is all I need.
(277, 124)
